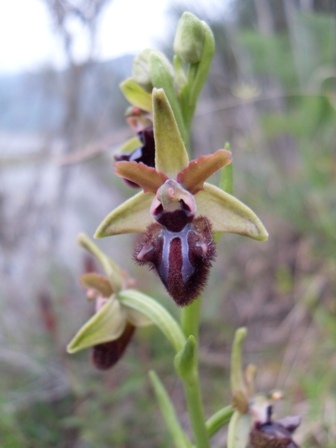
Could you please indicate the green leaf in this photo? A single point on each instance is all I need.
(239, 430)
(156, 313)
(136, 95)
(180, 439)
(170, 153)
(186, 359)
(228, 214)
(131, 216)
(106, 325)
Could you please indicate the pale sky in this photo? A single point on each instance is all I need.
(27, 41)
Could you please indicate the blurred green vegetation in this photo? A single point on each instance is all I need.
(272, 94)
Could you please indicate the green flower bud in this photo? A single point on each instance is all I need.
(141, 73)
(189, 38)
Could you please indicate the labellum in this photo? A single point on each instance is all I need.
(181, 253)
(107, 354)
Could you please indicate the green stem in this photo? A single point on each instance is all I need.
(191, 383)
(195, 409)
(190, 318)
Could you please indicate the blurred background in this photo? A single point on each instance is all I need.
(272, 95)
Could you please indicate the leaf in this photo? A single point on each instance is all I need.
(131, 216)
(197, 172)
(228, 214)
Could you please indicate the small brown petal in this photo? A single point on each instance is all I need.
(139, 173)
(197, 172)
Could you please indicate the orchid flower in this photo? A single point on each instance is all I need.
(177, 210)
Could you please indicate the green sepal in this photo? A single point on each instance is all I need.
(106, 325)
(189, 38)
(170, 153)
(239, 430)
(141, 71)
(131, 216)
(162, 78)
(156, 313)
(136, 95)
(228, 214)
(130, 145)
(180, 439)
(112, 270)
(218, 420)
(186, 359)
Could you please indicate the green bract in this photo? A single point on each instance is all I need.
(225, 212)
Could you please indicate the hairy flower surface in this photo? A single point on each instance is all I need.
(184, 208)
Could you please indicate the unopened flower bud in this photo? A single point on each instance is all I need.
(141, 72)
(189, 38)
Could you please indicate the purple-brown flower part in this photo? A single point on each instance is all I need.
(143, 154)
(274, 434)
(181, 258)
(106, 355)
